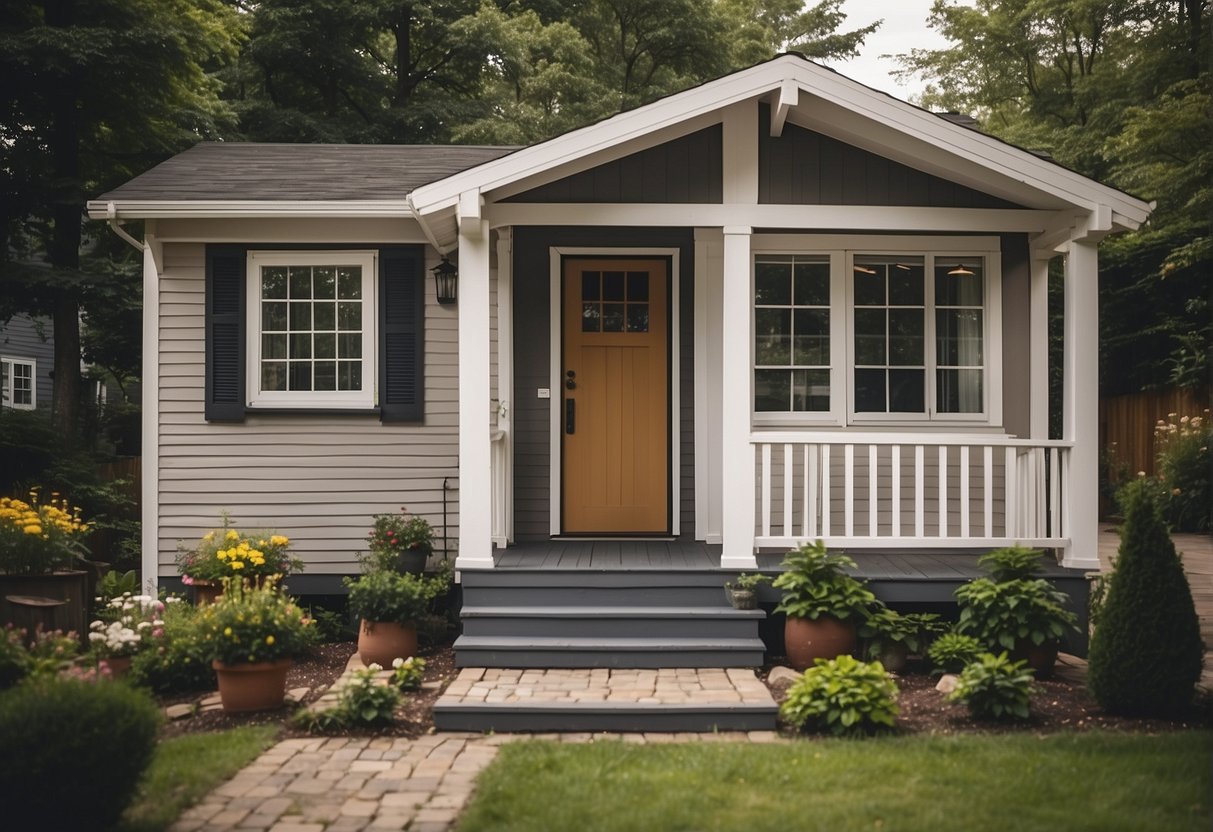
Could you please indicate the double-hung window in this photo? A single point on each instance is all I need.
(869, 330)
(311, 322)
(18, 389)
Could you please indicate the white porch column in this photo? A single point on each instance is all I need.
(1038, 358)
(149, 534)
(737, 455)
(1081, 404)
(475, 466)
(505, 385)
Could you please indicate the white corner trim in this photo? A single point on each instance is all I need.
(149, 532)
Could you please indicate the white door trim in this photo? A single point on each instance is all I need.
(555, 320)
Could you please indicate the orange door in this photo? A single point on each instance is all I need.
(615, 409)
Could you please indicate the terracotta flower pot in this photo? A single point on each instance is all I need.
(256, 686)
(119, 665)
(806, 639)
(895, 657)
(206, 592)
(1040, 657)
(381, 641)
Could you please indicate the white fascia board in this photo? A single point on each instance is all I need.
(967, 144)
(1013, 163)
(172, 209)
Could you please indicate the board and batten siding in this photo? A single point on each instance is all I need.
(315, 478)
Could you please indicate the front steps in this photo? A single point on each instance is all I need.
(524, 618)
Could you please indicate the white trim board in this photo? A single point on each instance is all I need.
(555, 321)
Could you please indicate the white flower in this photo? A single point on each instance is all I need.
(145, 625)
(96, 637)
(374, 666)
(397, 662)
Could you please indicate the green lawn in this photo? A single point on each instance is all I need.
(184, 769)
(1097, 781)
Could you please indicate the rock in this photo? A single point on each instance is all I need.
(783, 674)
(179, 711)
(431, 685)
(297, 694)
(947, 683)
(211, 699)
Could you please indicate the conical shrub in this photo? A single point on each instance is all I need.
(1146, 654)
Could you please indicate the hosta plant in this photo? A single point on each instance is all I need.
(1011, 614)
(843, 696)
(952, 651)
(815, 583)
(884, 628)
(1012, 563)
(994, 687)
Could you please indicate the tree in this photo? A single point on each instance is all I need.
(1146, 654)
(1118, 91)
(92, 93)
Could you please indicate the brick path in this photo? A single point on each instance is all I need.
(664, 686)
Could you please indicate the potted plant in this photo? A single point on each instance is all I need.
(41, 550)
(822, 604)
(227, 552)
(254, 631)
(403, 541)
(122, 628)
(742, 591)
(1013, 611)
(388, 604)
(891, 637)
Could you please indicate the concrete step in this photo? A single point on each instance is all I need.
(506, 718)
(611, 622)
(567, 651)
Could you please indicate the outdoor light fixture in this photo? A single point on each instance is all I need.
(446, 281)
(961, 271)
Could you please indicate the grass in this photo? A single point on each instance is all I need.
(186, 768)
(1096, 781)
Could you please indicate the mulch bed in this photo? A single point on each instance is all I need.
(318, 672)
(1058, 705)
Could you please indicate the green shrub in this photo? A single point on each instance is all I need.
(952, 651)
(1010, 614)
(254, 622)
(1146, 653)
(1182, 446)
(73, 752)
(843, 696)
(178, 657)
(382, 595)
(367, 701)
(994, 687)
(886, 627)
(14, 660)
(815, 583)
(1012, 563)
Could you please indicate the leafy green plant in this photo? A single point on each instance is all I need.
(407, 674)
(843, 696)
(815, 583)
(952, 651)
(73, 752)
(382, 595)
(332, 626)
(884, 627)
(748, 582)
(994, 687)
(393, 534)
(1182, 447)
(1012, 614)
(1012, 563)
(178, 657)
(1146, 653)
(365, 700)
(14, 659)
(114, 584)
(254, 623)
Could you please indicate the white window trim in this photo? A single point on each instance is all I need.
(842, 249)
(8, 382)
(335, 399)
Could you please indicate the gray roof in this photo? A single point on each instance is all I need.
(250, 171)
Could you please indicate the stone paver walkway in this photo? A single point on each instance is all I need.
(660, 686)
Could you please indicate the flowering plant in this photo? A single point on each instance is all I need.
(407, 674)
(1182, 445)
(227, 552)
(392, 534)
(254, 622)
(37, 538)
(126, 624)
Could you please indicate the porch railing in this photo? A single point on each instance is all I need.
(931, 490)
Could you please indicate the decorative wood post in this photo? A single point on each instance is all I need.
(1081, 404)
(737, 455)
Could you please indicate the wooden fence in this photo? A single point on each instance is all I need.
(1126, 423)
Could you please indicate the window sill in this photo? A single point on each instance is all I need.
(304, 410)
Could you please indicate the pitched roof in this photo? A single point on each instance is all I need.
(272, 172)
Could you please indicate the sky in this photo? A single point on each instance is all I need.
(905, 28)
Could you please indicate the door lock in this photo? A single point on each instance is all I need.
(570, 380)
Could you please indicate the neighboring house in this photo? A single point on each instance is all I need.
(27, 356)
(778, 306)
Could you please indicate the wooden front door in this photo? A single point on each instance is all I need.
(615, 389)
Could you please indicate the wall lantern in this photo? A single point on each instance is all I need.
(446, 281)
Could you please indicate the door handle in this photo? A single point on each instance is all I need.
(570, 415)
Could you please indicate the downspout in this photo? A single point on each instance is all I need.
(111, 219)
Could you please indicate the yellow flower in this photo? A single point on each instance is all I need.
(227, 631)
(269, 639)
(33, 529)
(232, 534)
(279, 540)
(237, 564)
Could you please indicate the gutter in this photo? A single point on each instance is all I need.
(111, 219)
(199, 209)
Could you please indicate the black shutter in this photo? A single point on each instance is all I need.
(401, 335)
(225, 337)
